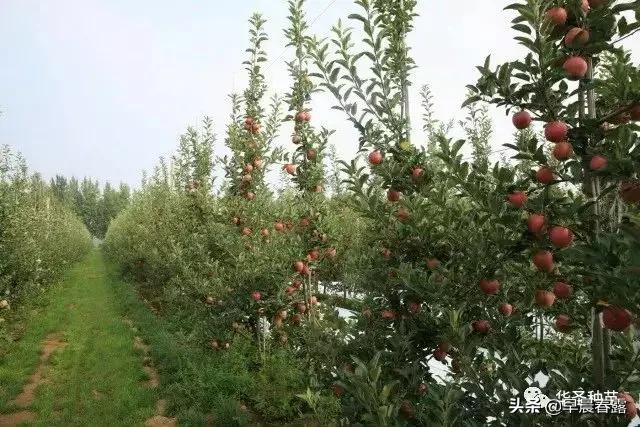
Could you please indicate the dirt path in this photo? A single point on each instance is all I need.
(79, 363)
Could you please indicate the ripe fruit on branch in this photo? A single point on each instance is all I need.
(250, 195)
(236, 220)
(557, 15)
(556, 131)
(313, 255)
(258, 163)
(298, 266)
(481, 326)
(246, 231)
(296, 319)
(543, 260)
(279, 226)
(421, 389)
(576, 37)
(444, 346)
(433, 264)
(562, 151)
(338, 390)
(248, 168)
(562, 290)
(631, 410)
(440, 355)
(544, 175)
(388, 314)
(630, 191)
(303, 116)
(256, 296)
(407, 409)
(403, 214)
(545, 298)
(585, 6)
(560, 236)
(247, 178)
(296, 139)
(376, 157)
(264, 232)
(311, 154)
(417, 173)
(331, 252)
(414, 307)
(517, 199)
(521, 120)
(616, 318)
(209, 300)
(535, 223)
(290, 168)
(597, 3)
(505, 309)
(490, 287)
(575, 67)
(393, 195)
(562, 323)
(302, 307)
(598, 162)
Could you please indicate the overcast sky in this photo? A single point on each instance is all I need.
(102, 88)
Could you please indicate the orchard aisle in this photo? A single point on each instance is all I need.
(79, 361)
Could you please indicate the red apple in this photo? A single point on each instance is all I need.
(556, 131)
(338, 390)
(248, 168)
(388, 314)
(562, 323)
(433, 264)
(407, 409)
(557, 15)
(279, 226)
(290, 168)
(631, 410)
(585, 6)
(544, 175)
(421, 389)
(256, 296)
(250, 195)
(543, 260)
(616, 318)
(545, 298)
(312, 154)
(417, 173)
(440, 355)
(562, 151)
(296, 139)
(490, 287)
(264, 232)
(258, 163)
(598, 162)
(630, 191)
(298, 266)
(560, 236)
(414, 307)
(575, 67)
(376, 157)
(517, 199)
(535, 223)
(444, 346)
(331, 252)
(521, 119)
(302, 307)
(576, 37)
(481, 326)
(562, 290)
(393, 195)
(246, 231)
(403, 214)
(505, 309)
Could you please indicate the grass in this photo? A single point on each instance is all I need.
(96, 378)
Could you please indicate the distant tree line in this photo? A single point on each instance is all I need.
(95, 206)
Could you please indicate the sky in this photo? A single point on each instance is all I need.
(103, 88)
